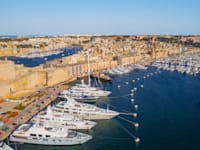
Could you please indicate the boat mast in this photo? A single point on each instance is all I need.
(89, 82)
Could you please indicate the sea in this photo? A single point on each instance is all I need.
(33, 62)
(168, 114)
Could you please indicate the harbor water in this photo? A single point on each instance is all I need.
(168, 114)
(36, 61)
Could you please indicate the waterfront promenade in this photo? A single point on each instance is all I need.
(26, 114)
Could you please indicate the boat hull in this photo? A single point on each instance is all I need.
(73, 126)
(51, 141)
(94, 116)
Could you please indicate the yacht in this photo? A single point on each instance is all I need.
(83, 110)
(119, 70)
(4, 146)
(139, 66)
(50, 118)
(80, 97)
(85, 90)
(35, 134)
(88, 88)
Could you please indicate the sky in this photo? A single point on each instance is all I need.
(122, 17)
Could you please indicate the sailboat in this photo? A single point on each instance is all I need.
(83, 92)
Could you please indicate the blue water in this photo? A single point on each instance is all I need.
(8, 36)
(33, 62)
(168, 114)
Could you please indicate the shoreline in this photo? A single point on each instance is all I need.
(50, 78)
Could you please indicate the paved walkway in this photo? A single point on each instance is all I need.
(32, 109)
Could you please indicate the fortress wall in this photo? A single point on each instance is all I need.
(58, 75)
(24, 85)
(7, 70)
(8, 52)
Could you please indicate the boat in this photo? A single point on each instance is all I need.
(38, 54)
(80, 97)
(4, 146)
(50, 118)
(140, 67)
(119, 70)
(83, 110)
(89, 91)
(85, 92)
(186, 63)
(35, 134)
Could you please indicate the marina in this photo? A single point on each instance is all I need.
(151, 104)
(189, 64)
(80, 100)
(99, 75)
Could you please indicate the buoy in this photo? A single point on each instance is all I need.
(136, 125)
(118, 86)
(147, 76)
(136, 106)
(144, 77)
(126, 82)
(141, 85)
(137, 140)
(132, 90)
(133, 81)
(138, 79)
(134, 114)
(132, 94)
(151, 74)
(132, 100)
(135, 89)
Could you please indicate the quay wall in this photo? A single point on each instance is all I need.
(7, 70)
(19, 80)
(38, 79)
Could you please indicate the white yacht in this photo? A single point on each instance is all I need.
(80, 97)
(139, 66)
(50, 118)
(89, 91)
(4, 146)
(83, 110)
(119, 70)
(87, 88)
(48, 135)
(83, 90)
